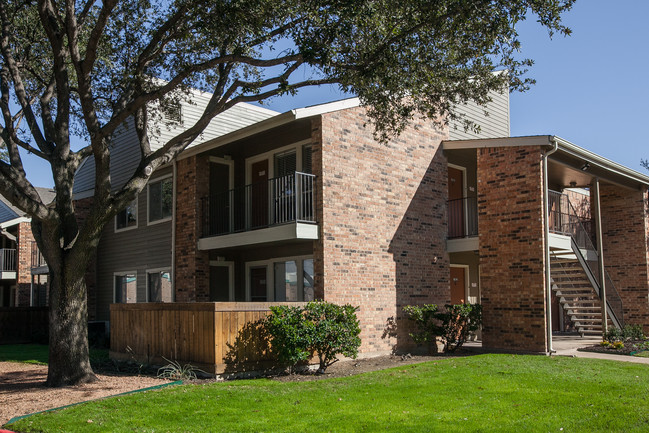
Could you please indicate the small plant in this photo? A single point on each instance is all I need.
(175, 371)
(630, 332)
(613, 334)
(633, 332)
(453, 325)
(424, 318)
(605, 343)
(618, 345)
(320, 328)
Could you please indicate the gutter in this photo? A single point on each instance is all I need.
(173, 229)
(600, 161)
(546, 237)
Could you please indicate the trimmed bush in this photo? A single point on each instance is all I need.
(320, 328)
(453, 325)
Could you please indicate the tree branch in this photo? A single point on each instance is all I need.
(18, 84)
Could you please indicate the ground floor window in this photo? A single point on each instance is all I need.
(159, 286)
(282, 280)
(125, 287)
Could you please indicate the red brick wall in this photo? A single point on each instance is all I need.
(625, 238)
(192, 265)
(382, 211)
(512, 278)
(24, 241)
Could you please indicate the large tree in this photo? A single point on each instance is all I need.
(81, 68)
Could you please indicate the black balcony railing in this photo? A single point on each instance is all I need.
(463, 217)
(8, 260)
(280, 200)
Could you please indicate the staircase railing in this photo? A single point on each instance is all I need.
(564, 219)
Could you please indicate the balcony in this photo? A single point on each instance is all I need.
(280, 209)
(7, 264)
(462, 224)
(39, 265)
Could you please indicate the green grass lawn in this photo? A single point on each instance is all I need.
(478, 393)
(38, 353)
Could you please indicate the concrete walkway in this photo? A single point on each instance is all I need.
(567, 345)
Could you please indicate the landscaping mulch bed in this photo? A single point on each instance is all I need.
(631, 347)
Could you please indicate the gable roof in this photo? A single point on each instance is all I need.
(127, 158)
(9, 212)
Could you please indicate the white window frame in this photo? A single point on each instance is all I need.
(121, 274)
(297, 146)
(148, 200)
(270, 275)
(230, 266)
(157, 271)
(137, 217)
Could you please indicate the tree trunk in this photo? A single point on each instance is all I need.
(69, 362)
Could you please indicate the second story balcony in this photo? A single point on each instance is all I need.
(462, 224)
(7, 264)
(280, 209)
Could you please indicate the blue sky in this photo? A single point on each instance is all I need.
(592, 87)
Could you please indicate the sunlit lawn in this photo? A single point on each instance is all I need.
(478, 393)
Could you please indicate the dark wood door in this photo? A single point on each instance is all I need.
(259, 194)
(458, 286)
(455, 203)
(220, 211)
(258, 284)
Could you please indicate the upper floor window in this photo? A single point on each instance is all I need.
(127, 218)
(160, 199)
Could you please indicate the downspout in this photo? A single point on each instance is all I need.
(173, 231)
(546, 230)
(600, 256)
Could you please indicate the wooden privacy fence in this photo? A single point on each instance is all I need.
(217, 337)
(23, 325)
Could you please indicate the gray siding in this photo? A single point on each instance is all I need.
(123, 161)
(140, 249)
(126, 158)
(237, 117)
(496, 124)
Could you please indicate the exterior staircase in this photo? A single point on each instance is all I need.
(575, 293)
(574, 272)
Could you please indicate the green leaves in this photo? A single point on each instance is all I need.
(453, 325)
(319, 328)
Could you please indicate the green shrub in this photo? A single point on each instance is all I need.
(633, 332)
(453, 325)
(289, 337)
(630, 332)
(332, 329)
(320, 328)
(424, 318)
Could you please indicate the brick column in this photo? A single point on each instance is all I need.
(24, 241)
(625, 237)
(510, 221)
(382, 213)
(192, 266)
